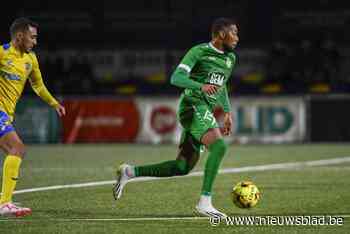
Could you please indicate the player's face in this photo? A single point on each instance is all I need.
(231, 37)
(29, 39)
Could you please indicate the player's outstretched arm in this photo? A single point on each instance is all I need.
(40, 89)
(180, 78)
(226, 105)
(181, 75)
(225, 100)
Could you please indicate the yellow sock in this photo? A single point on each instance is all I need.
(9, 177)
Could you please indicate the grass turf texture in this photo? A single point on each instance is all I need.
(319, 190)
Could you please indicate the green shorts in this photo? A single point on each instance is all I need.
(196, 119)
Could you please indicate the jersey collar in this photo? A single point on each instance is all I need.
(16, 51)
(217, 50)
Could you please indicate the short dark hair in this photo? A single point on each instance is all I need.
(21, 25)
(220, 24)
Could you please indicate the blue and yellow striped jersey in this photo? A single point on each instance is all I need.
(15, 69)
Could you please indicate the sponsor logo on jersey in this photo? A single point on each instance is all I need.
(9, 76)
(28, 66)
(4, 120)
(216, 78)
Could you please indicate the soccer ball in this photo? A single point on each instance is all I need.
(245, 194)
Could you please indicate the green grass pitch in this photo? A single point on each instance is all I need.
(164, 206)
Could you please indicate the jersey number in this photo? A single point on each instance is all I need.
(209, 116)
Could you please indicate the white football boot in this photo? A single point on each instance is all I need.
(205, 207)
(10, 209)
(122, 179)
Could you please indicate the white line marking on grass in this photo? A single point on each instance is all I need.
(111, 219)
(146, 219)
(141, 219)
(266, 167)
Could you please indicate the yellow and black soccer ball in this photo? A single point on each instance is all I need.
(245, 194)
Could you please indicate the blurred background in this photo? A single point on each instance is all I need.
(110, 64)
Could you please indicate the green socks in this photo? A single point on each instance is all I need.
(217, 151)
(164, 169)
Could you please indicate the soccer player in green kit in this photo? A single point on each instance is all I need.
(203, 74)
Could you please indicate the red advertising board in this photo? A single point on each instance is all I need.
(100, 121)
(163, 120)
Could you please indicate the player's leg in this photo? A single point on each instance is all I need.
(217, 149)
(206, 130)
(189, 151)
(214, 142)
(14, 149)
(187, 158)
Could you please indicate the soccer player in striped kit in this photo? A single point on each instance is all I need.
(18, 63)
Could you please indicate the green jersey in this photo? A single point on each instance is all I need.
(204, 64)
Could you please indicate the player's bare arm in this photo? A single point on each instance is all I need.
(227, 123)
